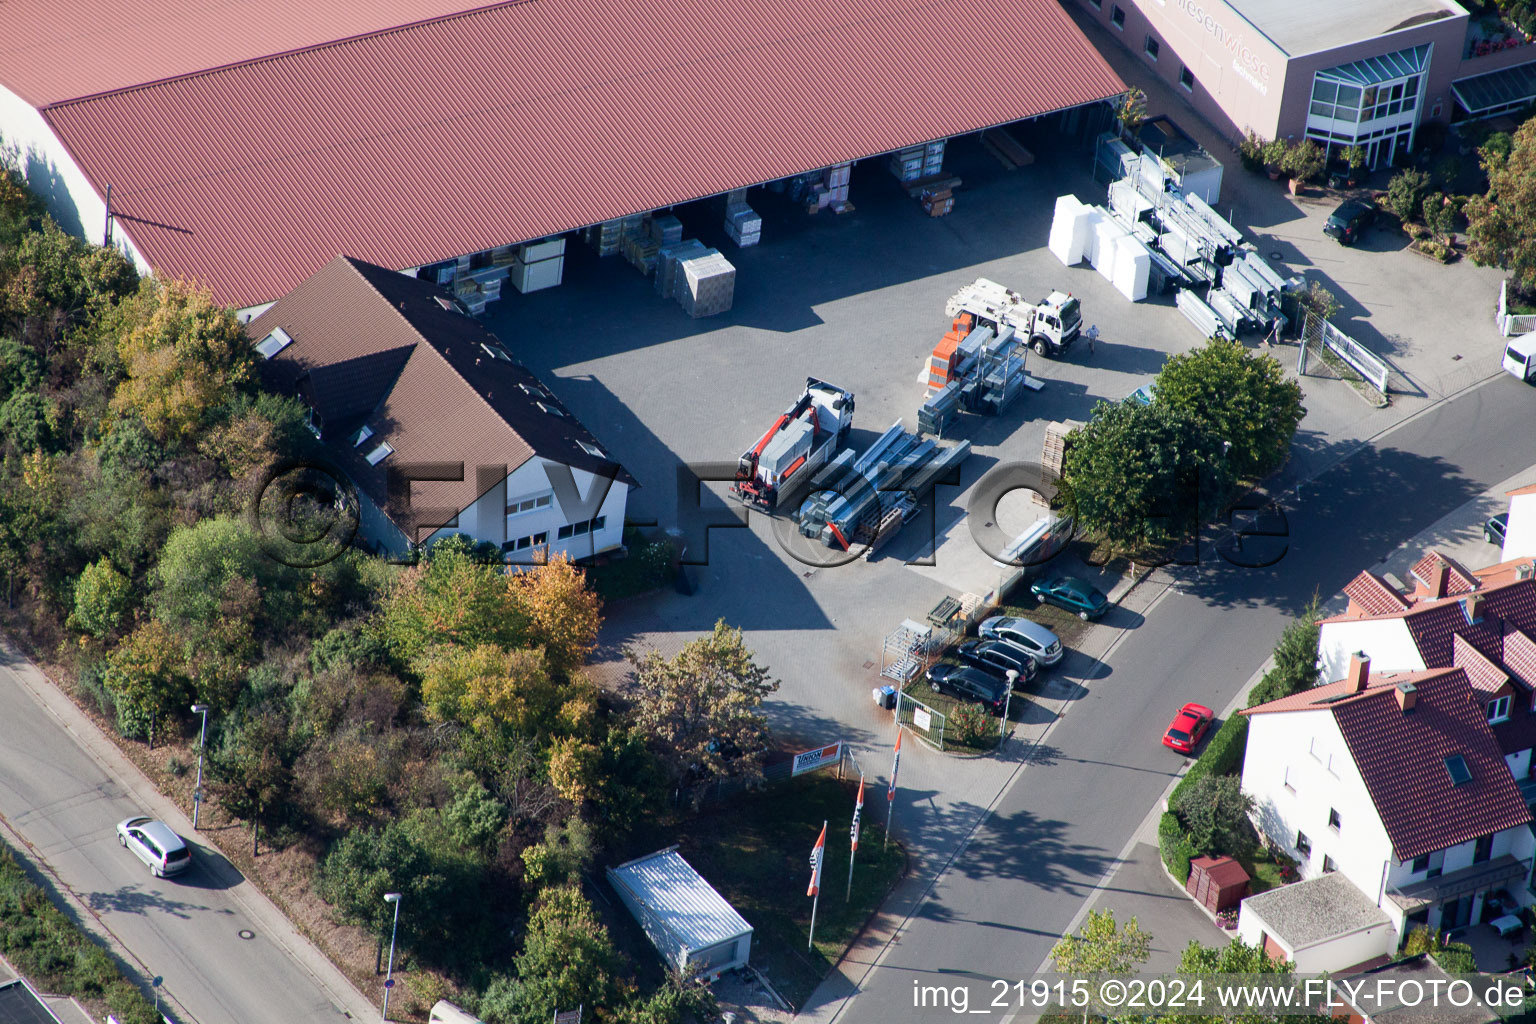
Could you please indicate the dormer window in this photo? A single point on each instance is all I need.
(362, 435)
(379, 454)
(276, 340)
(1498, 709)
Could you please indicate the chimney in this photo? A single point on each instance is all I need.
(1526, 571)
(1439, 578)
(1472, 607)
(1359, 671)
(1407, 696)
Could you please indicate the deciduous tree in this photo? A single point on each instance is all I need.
(705, 704)
(1295, 667)
(450, 600)
(568, 959)
(488, 689)
(146, 675)
(1214, 810)
(1501, 224)
(1102, 946)
(103, 599)
(562, 613)
(252, 768)
(1235, 397)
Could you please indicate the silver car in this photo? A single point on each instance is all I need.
(1041, 643)
(155, 844)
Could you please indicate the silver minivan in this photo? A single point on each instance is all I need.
(155, 844)
(1041, 643)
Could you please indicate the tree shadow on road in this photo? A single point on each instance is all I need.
(132, 899)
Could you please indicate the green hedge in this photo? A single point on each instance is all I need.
(46, 946)
(1175, 847)
(1223, 755)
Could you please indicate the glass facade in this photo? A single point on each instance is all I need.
(1372, 103)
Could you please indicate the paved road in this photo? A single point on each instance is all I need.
(63, 788)
(1057, 829)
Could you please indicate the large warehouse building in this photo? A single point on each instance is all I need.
(1343, 72)
(245, 143)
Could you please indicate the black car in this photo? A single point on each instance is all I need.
(1349, 221)
(997, 657)
(1495, 528)
(970, 684)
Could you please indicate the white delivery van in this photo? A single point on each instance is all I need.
(1520, 357)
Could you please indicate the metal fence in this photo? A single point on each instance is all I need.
(1318, 334)
(914, 714)
(1511, 324)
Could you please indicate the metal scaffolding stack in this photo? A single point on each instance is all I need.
(850, 499)
(976, 371)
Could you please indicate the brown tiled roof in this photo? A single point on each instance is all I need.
(1483, 674)
(1519, 655)
(373, 347)
(514, 121)
(1373, 595)
(1331, 694)
(1402, 760)
(1432, 624)
(1500, 573)
(1458, 579)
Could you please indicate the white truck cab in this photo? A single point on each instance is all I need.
(1049, 327)
(1520, 357)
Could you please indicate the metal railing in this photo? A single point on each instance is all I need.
(1361, 359)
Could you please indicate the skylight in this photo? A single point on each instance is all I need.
(362, 435)
(379, 454)
(1456, 766)
(592, 450)
(276, 340)
(496, 352)
(552, 410)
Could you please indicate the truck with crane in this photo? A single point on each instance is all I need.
(1049, 327)
(800, 442)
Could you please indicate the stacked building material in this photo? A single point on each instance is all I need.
(1069, 230)
(907, 164)
(933, 158)
(708, 284)
(836, 179)
(851, 497)
(666, 229)
(640, 251)
(937, 201)
(604, 237)
(668, 264)
(537, 265)
(1053, 453)
(1132, 269)
(938, 409)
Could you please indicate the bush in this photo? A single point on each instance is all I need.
(1455, 958)
(1420, 940)
(44, 944)
(1405, 193)
(1250, 150)
(1223, 753)
(1497, 148)
(1304, 161)
(1174, 846)
(1214, 810)
(1446, 170)
(971, 723)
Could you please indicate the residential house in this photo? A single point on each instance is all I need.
(1520, 533)
(441, 430)
(1398, 782)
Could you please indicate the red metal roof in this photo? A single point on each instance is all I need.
(517, 121)
(52, 50)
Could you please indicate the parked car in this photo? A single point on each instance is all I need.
(998, 657)
(970, 684)
(155, 844)
(1188, 727)
(1071, 593)
(1495, 528)
(1040, 642)
(1349, 221)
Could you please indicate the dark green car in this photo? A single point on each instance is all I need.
(1071, 593)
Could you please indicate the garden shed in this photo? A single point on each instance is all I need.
(1217, 882)
(690, 924)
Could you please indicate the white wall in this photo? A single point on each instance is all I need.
(28, 141)
(1520, 538)
(486, 519)
(1387, 642)
(1348, 950)
(1306, 750)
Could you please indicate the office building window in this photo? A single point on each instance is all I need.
(1150, 47)
(1187, 78)
(517, 506)
(1117, 17)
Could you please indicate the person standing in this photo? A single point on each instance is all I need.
(1093, 336)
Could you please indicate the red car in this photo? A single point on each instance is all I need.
(1187, 727)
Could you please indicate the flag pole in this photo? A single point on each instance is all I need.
(810, 942)
(890, 794)
(853, 847)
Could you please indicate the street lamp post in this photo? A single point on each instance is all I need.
(389, 981)
(202, 741)
(1013, 679)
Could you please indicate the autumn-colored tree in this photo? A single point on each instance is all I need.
(703, 707)
(1501, 225)
(487, 689)
(450, 600)
(574, 765)
(562, 613)
(183, 357)
(147, 677)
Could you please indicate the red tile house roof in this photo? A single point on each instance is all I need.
(514, 121)
(1369, 594)
(1483, 674)
(1458, 579)
(372, 347)
(1401, 756)
(1479, 617)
